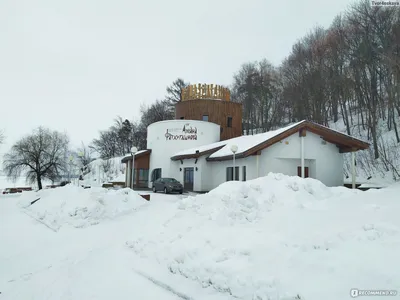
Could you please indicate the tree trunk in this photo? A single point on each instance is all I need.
(395, 127)
(39, 181)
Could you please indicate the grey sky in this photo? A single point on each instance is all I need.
(74, 65)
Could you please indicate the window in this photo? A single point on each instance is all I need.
(155, 174)
(133, 180)
(205, 118)
(173, 180)
(143, 177)
(244, 173)
(229, 173)
(229, 122)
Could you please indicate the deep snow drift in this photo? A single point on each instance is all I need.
(273, 238)
(79, 207)
(282, 237)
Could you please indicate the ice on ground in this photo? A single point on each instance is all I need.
(281, 237)
(79, 207)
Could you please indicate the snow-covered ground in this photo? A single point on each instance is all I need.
(19, 182)
(273, 238)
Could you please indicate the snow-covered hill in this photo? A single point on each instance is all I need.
(375, 172)
(101, 171)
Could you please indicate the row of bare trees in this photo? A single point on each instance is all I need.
(350, 71)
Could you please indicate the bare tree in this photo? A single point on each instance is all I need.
(158, 111)
(174, 91)
(107, 144)
(84, 155)
(40, 155)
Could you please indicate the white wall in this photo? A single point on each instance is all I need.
(216, 174)
(198, 176)
(324, 162)
(163, 149)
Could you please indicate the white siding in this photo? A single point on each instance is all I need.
(176, 171)
(217, 171)
(162, 149)
(324, 162)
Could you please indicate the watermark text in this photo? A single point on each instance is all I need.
(386, 3)
(359, 293)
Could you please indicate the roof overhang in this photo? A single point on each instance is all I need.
(344, 142)
(197, 154)
(130, 157)
(126, 159)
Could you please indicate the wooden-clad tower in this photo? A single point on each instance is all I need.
(212, 103)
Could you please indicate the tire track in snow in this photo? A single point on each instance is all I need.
(163, 286)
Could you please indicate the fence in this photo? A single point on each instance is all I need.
(205, 91)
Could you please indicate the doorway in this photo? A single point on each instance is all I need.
(305, 172)
(188, 179)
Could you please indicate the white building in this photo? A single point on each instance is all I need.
(191, 152)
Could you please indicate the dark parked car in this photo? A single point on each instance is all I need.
(167, 185)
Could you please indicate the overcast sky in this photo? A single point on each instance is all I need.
(75, 65)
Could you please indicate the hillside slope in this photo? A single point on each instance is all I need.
(101, 171)
(374, 172)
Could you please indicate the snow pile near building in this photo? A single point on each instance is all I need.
(79, 207)
(101, 171)
(281, 237)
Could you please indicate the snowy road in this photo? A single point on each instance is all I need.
(91, 263)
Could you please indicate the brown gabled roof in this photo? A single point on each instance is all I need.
(344, 142)
(138, 154)
(196, 155)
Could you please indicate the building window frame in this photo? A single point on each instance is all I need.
(229, 122)
(229, 173)
(205, 118)
(155, 174)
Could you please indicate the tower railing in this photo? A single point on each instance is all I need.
(205, 91)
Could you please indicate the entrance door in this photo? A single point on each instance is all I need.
(305, 172)
(188, 179)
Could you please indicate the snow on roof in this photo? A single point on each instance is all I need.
(243, 142)
(128, 156)
(141, 151)
(341, 132)
(201, 148)
(247, 142)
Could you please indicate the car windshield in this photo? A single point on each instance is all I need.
(170, 180)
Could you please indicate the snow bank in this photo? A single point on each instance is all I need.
(281, 237)
(79, 207)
